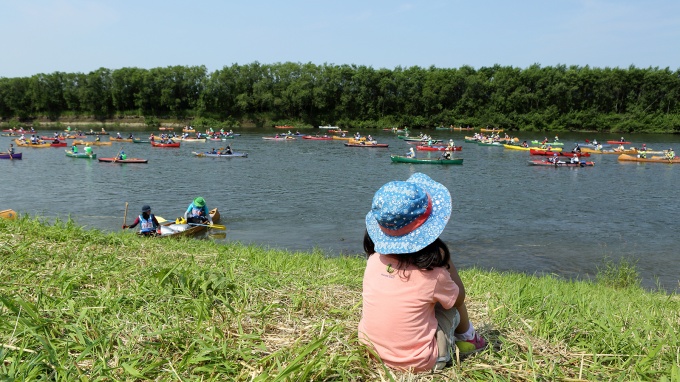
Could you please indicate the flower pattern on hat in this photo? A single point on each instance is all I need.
(397, 203)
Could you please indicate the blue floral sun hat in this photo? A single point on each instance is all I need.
(407, 216)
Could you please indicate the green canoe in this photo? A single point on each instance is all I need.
(71, 154)
(403, 159)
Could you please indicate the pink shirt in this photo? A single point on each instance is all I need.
(398, 311)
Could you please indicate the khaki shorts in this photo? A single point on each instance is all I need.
(447, 321)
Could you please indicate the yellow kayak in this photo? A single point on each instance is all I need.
(8, 214)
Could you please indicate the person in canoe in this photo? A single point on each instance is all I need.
(97, 138)
(575, 159)
(88, 149)
(410, 284)
(11, 149)
(446, 155)
(228, 150)
(410, 153)
(74, 149)
(576, 149)
(118, 136)
(670, 154)
(122, 155)
(525, 144)
(213, 151)
(149, 225)
(452, 144)
(198, 212)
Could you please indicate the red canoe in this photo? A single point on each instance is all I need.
(362, 144)
(326, 138)
(618, 142)
(128, 160)
(60, 144)
(438, 148)
(158, 144)
(559, 153)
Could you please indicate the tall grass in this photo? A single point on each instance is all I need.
(81, 304)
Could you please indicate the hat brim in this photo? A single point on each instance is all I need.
(422, 236)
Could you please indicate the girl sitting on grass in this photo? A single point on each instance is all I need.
(413, 299)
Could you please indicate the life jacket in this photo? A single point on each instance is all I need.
(196, 211)
(146, 225)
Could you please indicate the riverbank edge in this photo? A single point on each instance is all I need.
(83, 302)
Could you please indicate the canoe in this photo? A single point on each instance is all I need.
(618, 142)
(516, 147)
(6, 155)
(158, 144)
(8, 214)
(172, 229)
(211, 155)
(33, 145)
(313, 138)
(128, 160)
(335, 137)
(587, 150)
(46, 138)
(283, 138)
(71, 154)
(555, 143)
(329, 127)
(438, 148)
(491, 130)
(541, 162)
(655, 159)
(60, 144)
(365, 144)
(114, 139)
(403, 159)
(200, 140)
(559, 153)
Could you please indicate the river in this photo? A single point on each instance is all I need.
(304, 195)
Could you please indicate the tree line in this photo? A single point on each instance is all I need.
(531, 99)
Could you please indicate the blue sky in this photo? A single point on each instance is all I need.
(45, 36)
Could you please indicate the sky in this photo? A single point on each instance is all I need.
(80, 36)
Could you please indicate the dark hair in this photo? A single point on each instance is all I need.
(436, 254)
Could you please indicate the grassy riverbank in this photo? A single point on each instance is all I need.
(84, 305)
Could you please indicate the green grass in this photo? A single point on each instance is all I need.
(85, 305)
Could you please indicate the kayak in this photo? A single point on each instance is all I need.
(71, 154)
(6, 155)
(654, 159)
(211, 155)
(516, 147)
(539, 162)
(128, 160)
(403, 159)
(114, 139)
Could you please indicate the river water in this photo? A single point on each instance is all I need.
(303, 195)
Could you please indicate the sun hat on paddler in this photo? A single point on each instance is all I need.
(199, 202)
(407, 216)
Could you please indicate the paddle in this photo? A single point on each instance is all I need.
(125, 215)
(116, 158)
(214, 226)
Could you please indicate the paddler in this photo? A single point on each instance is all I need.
(149, 224)
(197, 212)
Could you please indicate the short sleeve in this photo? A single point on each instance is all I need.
(446, 291)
